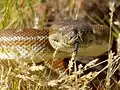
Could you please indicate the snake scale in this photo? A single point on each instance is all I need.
(40, 45)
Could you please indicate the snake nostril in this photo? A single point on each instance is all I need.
(55, 40)
(90, 40)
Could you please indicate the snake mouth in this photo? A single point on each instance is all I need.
(66, 43)
(62, 43)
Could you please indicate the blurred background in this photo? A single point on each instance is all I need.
(24, 13)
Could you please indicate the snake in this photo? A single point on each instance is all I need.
(62, 37)
(93, 39)
(27, 45)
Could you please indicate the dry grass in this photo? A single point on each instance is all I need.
(22, 76)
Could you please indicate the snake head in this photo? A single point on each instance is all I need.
(63, 35)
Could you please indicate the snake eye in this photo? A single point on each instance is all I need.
(90, 40)
(60, 30)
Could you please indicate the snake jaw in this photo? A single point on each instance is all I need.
(61, 43)
(72, 40)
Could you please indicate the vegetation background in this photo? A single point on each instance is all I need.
(18, 14)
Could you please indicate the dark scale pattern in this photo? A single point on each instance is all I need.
(71, 24)
(29, 33)
(30, 40)
(102, 33)
(79, 27)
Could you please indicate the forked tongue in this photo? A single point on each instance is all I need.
(76, 46)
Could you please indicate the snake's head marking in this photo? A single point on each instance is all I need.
(88, 40)
(64, 35)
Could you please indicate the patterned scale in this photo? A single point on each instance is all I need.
(15, 43)
(70, 25)
(102, 33)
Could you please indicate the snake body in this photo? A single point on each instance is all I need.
(25, 44)
(41, 44)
